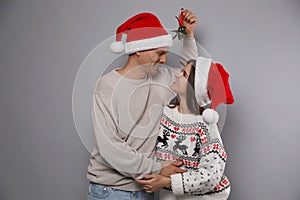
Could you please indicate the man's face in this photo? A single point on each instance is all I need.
(152, 59)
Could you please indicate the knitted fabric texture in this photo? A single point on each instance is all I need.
(199, 145)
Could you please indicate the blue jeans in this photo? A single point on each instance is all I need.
(97, 192)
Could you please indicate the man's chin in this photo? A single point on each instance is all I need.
(154, 70)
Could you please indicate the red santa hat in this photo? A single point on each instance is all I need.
(211, 87)
(144, 31)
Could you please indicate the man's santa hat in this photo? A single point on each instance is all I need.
(144, 31)
(211, 87)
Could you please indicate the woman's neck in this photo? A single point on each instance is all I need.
(183, 107)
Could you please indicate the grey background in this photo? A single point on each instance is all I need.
(43, 44)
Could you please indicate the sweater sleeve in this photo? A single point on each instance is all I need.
(112, 148)
(189, 51)
(209, 173)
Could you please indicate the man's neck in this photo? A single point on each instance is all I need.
(132, 71)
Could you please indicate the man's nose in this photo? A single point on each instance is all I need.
(163, 59)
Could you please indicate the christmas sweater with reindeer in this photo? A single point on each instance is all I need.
(189, 138)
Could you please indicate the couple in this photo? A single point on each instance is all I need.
(133, 116)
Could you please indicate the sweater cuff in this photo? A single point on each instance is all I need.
(177, 184)
(156, 168)
(189, 41)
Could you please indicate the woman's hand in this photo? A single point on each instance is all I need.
(153, 182)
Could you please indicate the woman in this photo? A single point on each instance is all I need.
(190, 134)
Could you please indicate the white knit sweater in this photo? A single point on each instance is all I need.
(189, 138)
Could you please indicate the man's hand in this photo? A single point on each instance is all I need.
(169, 168)
(190, 21)
(153, 182)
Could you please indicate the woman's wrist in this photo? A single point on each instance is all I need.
(167, 182)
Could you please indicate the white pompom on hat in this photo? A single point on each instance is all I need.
(210, 116)
(117, 47)
(144, 31)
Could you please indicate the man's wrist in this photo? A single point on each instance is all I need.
(157, 168)
(190, 35)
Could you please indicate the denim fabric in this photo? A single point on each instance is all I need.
(97, 192)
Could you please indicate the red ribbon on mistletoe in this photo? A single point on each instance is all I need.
(181, 29)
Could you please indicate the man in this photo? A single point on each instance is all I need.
(127, 106)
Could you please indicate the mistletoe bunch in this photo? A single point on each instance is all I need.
(181, 31)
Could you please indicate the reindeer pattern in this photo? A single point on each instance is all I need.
(179, 146)
(163, 139)
(179, 143)
(182, 139)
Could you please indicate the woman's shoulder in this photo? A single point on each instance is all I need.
(167, 110)
(174, 115)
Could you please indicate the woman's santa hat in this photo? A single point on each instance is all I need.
(144, 31)
(211, 87)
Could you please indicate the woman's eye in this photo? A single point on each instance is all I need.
(184, 74)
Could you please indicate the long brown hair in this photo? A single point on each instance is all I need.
(191, 98)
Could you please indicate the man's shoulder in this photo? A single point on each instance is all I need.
(105, 82)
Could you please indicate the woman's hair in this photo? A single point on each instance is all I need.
(191, 98)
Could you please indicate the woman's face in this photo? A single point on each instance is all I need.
(181, 81)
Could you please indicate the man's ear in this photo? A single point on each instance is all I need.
(138, 53)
